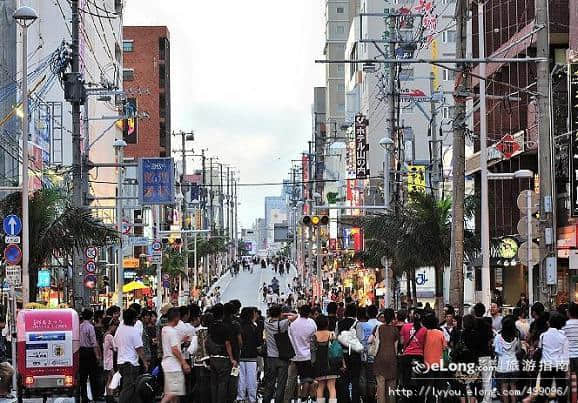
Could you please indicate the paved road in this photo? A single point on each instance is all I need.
(246, 286)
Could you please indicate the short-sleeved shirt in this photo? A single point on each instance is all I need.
(301, 333)
(435, 342)
(235, 331)
(171, 338)
(413, 345)
(272, 327)
(220, 332)
(87, 335)
(127, 340)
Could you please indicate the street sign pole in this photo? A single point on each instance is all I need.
(530, 265)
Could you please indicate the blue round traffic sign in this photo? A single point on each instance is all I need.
(12, 254)
(12, 225)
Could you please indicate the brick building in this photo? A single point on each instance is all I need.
(146, 77)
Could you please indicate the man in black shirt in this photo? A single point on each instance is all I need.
(332, 315)
(352, 361)
(483, 348)
(230, 319)
(221, 355)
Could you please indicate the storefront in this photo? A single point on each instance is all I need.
(359, 283)
(567, 252)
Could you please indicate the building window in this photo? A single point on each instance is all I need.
(340, 68)
(340, 29)
(340, 107)
(448, 36)
(406, 74)
(339, 10)
(449, 75)
(341, 88)
(127, 46)
(128, 74)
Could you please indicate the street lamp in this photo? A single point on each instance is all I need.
(119, 146)
(25, 16)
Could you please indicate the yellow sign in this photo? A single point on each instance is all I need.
(416, 179)
(130, 263)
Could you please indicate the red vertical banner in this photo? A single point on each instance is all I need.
(357, 239)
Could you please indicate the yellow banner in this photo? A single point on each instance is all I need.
(416, 179)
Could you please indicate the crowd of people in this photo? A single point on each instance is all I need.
(349, 353)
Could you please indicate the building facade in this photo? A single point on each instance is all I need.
(146, 76)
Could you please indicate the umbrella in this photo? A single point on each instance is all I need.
(133, 285)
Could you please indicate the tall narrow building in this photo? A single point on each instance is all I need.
(146, 76)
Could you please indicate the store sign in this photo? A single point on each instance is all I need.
(508, 146)
(508, 248)
(361, 147)
(573, 149)
(416, 179)
(156, 179)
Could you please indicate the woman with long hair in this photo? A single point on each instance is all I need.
(413, 336)
(507, 347)
(325, 370)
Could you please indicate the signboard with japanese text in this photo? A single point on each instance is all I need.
(573, 148)
(156, 179)
(416, 179)
(361, 147)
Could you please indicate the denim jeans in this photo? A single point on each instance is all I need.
(275, 374)
(247, 389)
(220, 377)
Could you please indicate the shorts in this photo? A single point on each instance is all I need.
(304, 371)
(175, 383)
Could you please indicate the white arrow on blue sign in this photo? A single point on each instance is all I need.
(12, 225)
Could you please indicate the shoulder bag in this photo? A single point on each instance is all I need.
(283, 342)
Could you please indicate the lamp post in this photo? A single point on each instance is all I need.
(25, 16)
(119, 146)
(386, 144)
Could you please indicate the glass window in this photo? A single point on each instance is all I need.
(339, 10)
(449, 75)
(406, 74)
(449, 36)
(127, 46)
(128, 74)
(340, 29)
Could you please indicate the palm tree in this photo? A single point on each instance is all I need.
(417, 234)
(56, 228)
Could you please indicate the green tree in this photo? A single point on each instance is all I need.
(417, 234)
(173, 262)
(56, 228)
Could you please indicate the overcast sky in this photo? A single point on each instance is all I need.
(242, 77)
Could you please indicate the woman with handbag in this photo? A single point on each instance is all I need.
(325, 369)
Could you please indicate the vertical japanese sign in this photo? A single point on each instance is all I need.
(573, 148)
(416, 179)
(361, 147)
(156, 179)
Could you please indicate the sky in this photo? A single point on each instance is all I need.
(242, 77)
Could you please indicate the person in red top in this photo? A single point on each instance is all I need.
(413, 337)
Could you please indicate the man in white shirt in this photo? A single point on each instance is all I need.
(174, 364)
(571, 332)
(128, 342)
(301, 333)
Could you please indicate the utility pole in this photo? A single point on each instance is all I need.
(435, 151)
(229, 233)
(221, 201)
(236, 219)
(211, 193)
(75, 94)
(184, 211)
(545, 156)
(459, 161)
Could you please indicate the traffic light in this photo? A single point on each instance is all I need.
(315, 220)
